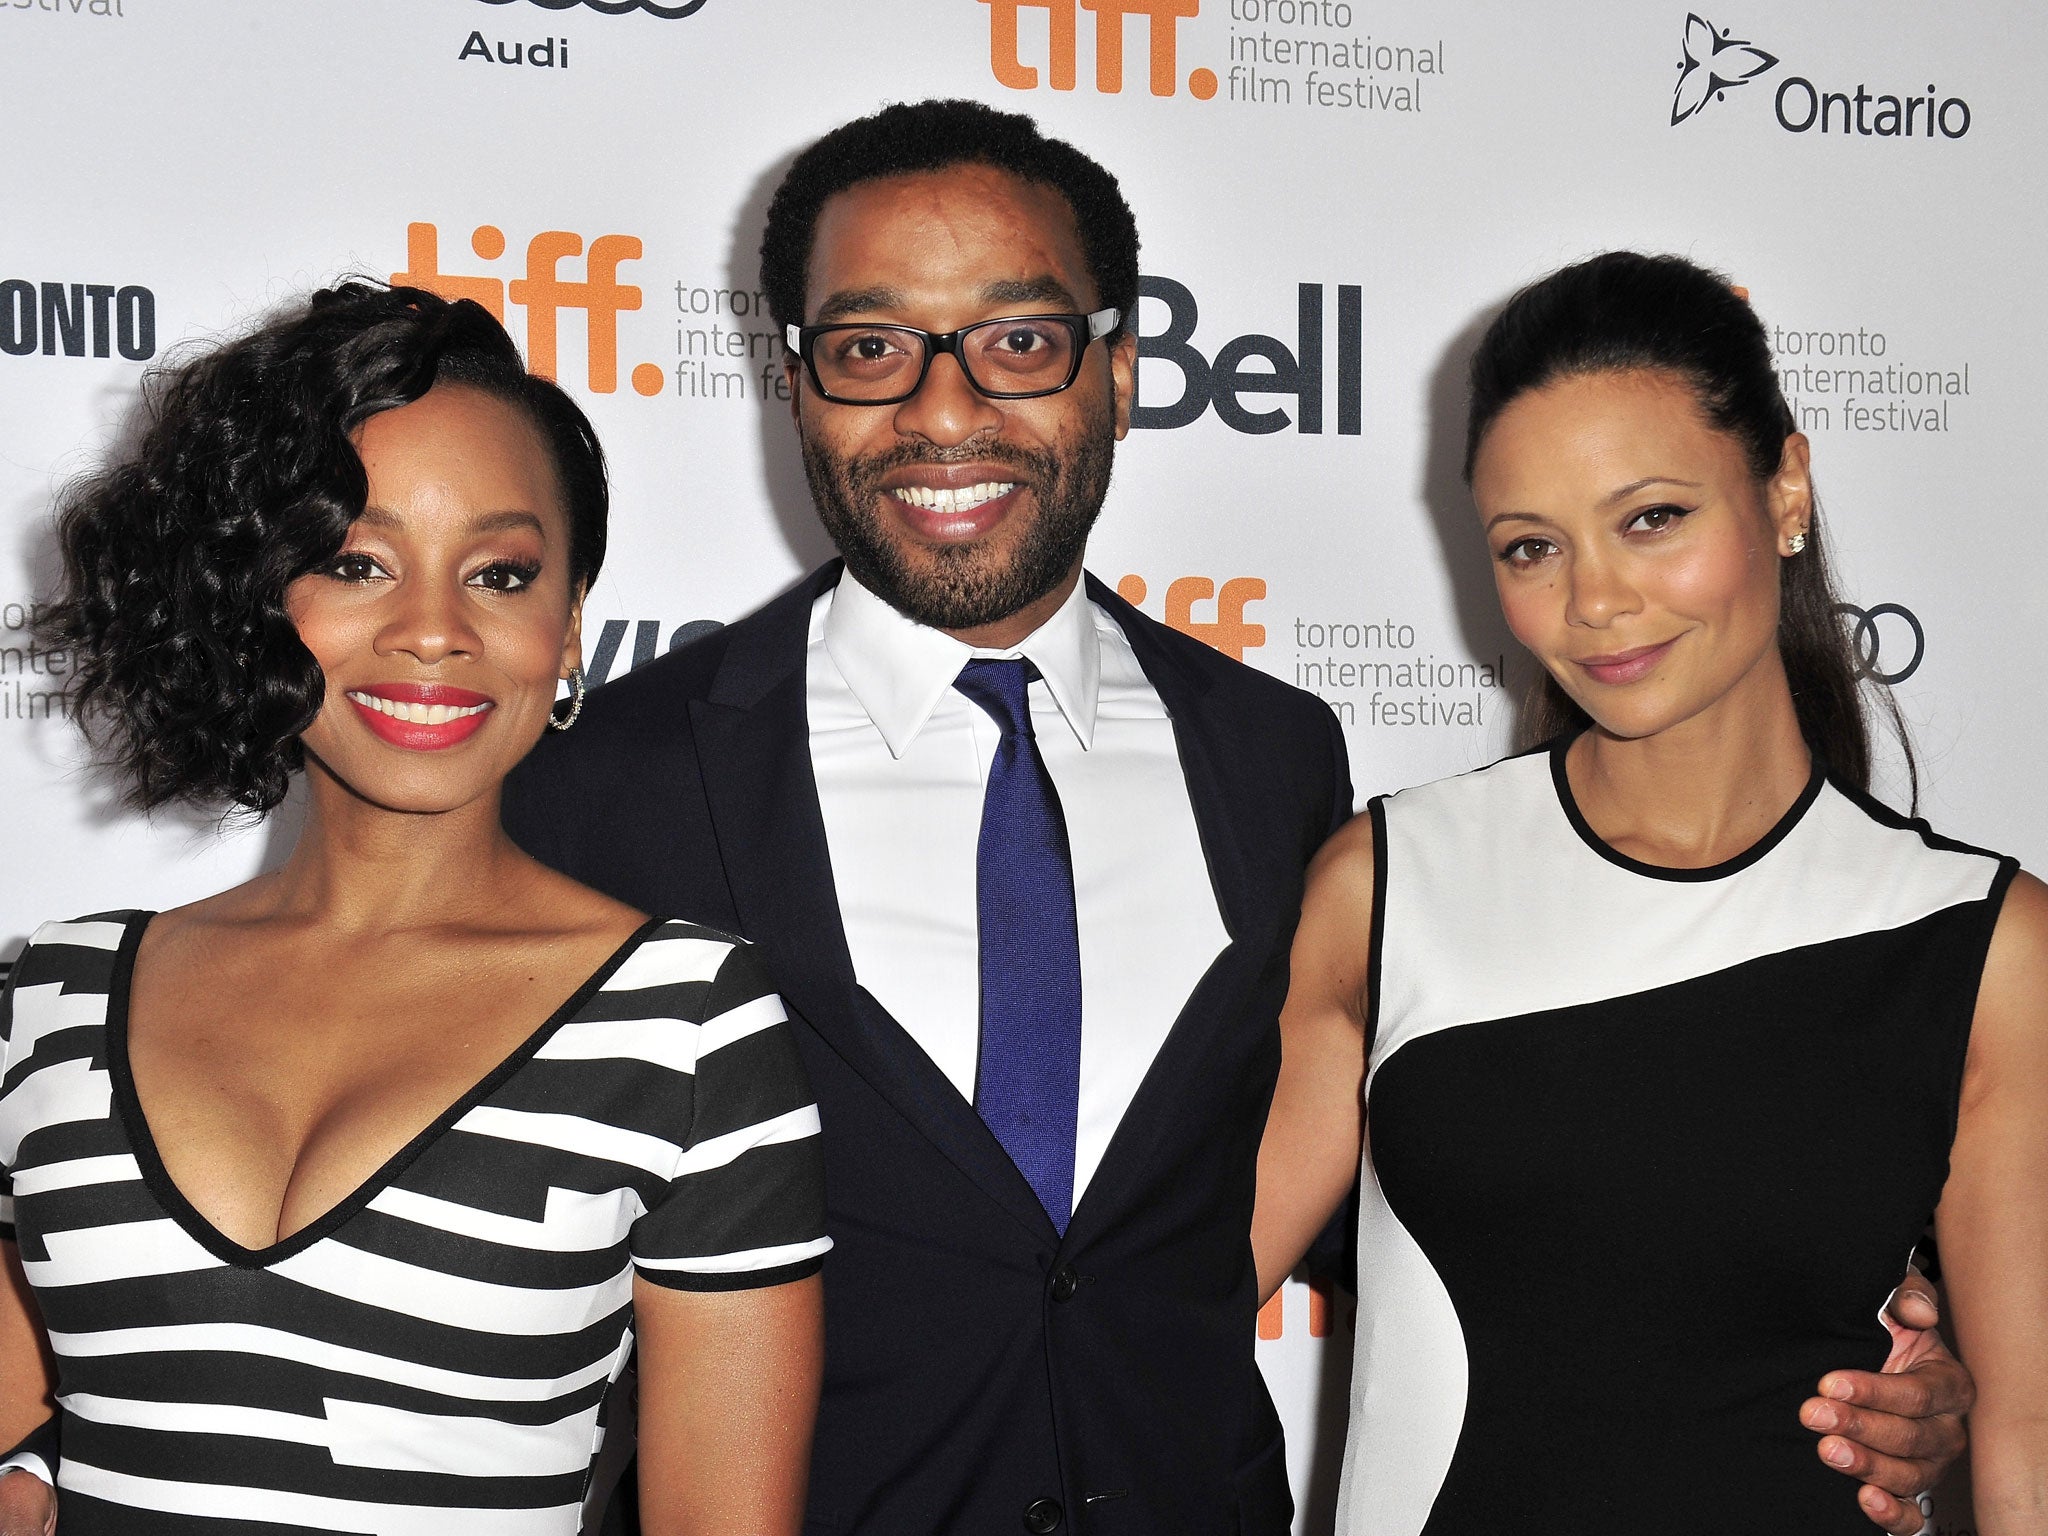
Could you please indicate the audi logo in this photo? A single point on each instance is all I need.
(1867, 640)
(619, 7)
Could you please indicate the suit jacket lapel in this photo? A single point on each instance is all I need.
(1187, 1058)
(753, 748)
(1199, 742)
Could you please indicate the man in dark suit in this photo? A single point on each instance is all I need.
(1000, 1358)
(1044, 1057)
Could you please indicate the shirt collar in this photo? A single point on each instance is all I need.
(900, 669)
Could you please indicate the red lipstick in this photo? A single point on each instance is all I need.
(421, 717)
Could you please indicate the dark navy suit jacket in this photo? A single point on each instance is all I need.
(983, 1374)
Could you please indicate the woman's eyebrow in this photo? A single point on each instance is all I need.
(1633, 486)
(483, 522)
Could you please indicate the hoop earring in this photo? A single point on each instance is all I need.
(576, 692)
(1796, 543)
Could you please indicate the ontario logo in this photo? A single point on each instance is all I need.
(1713, 61)
(1713, 64)
(617, 7)
(543, 292)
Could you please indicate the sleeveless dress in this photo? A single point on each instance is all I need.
(1605, 1097)
(432, 1356)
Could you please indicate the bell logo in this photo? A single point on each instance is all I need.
(544, 293)
(1005, 54)
(1228, 632)
(1223, 381)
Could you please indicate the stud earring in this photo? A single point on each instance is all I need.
(576, 692)
(1796, 543)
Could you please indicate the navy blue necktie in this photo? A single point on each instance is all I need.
(1027, 1080)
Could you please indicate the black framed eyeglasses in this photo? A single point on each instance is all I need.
(1016, 357)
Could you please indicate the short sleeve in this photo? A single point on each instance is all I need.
(53, 1009)
(746, 1204)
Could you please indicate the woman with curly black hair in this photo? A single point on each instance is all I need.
(337, 1201)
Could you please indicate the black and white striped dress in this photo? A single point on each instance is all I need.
(1647, 1150)
(433, 1355)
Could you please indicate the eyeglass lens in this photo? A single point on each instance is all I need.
(1002, 357)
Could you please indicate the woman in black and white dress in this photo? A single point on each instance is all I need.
(343, 1197)
(1665, 1009)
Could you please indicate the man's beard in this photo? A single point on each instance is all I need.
(965, 586)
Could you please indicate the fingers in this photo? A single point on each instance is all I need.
(1900, 1475)
(1903, 1455)
(1902, 1517)
(1897, 1434)
(28, 1505)
(1936, 1385)
(1931, 1442)
(1914, 1304)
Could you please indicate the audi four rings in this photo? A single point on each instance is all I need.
(1866, 640)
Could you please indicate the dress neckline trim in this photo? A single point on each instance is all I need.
(157, 1178)
(1721, 871)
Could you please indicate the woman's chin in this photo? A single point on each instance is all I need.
(432, 792)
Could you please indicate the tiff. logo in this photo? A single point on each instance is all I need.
(1229, 632)
(544, 293)
(1062, 24)
(1322, 1303)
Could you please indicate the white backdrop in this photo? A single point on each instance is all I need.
(1870, 172)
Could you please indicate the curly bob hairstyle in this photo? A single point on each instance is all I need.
(912, 137)
(189, 676)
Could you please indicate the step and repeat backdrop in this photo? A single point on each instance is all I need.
(1333, 197)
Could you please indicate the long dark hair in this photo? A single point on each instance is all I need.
(188, 673)
(1624, 311)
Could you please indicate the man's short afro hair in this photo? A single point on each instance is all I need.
(912, 137)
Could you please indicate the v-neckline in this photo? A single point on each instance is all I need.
(135, 1124)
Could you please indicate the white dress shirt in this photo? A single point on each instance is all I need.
(902, 760)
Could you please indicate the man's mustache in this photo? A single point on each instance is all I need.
(994, 450)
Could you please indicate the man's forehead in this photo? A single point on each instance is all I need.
(967, 233)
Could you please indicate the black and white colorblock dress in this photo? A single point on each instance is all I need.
(1607, 1100)
(433, 1355)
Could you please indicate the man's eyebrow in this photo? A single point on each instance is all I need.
(1030, 290)
(857, 301)
(1015, 290)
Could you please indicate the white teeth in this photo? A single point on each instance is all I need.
(947, 499)
(417, 714)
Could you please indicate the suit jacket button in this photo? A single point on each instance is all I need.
(1064, 1283)
(1042, 1516)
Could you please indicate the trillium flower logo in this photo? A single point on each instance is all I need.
(1714, 63)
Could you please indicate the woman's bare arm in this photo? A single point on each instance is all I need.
(28, 1382)
(1314, 1137)
(1993, 1221)
(728, 1393)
